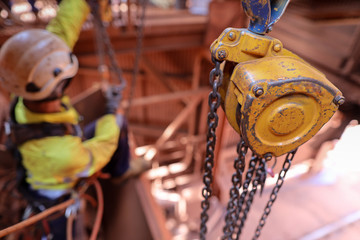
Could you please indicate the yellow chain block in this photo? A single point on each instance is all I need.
(272, 97)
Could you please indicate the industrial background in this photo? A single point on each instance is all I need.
(168, 95)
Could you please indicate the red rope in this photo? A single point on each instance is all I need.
(61, 206)
(100, 210)
(36, 218)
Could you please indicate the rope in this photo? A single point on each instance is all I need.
(69, 226)
(140, 35)
(99, 213)
(36, 218)
(104, 40)
(61, 206)
(100, 210)
(102, 68)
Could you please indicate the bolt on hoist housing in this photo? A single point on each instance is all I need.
(272, 97)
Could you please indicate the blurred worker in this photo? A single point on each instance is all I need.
(37, 65)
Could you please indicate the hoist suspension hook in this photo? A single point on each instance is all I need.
(263, 14)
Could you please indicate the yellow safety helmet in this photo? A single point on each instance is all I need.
(34, 62)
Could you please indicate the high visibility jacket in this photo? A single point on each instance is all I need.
(57, 162)
(69, 20)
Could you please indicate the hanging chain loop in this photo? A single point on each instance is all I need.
(216, 78)
(248, 176)
(273, 195)
(231, 216)
(237, 212)
(138, 53)
(104, 40)
(250, 197)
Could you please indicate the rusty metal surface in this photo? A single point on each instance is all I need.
(272, 97)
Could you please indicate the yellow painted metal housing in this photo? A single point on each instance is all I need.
(272, 97)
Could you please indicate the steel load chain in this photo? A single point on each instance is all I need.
(260, 170)
(273, 195)
(239, 193)
(249, 174)
(105, 41)
(256, 174)
(216, 78)
(138, 53)
(231, 216)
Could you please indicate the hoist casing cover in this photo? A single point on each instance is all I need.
(272, 97)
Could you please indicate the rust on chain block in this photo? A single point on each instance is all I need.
(271, 96)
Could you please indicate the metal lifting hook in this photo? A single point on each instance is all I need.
(263, 14)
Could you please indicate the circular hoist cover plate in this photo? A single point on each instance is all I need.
(283, 101)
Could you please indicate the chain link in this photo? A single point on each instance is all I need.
(235, 223)
(250, 197)
(216, 78)
(231, 216)
(249, 174)
(273, 195)
(104, 40)
(138, 53)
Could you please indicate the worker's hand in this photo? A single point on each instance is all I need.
(113, 97)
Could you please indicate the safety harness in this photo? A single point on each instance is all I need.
(17, 134)
(20, 133)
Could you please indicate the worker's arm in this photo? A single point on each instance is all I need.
(57, 162)
(107, 132)
(103, 145)
(69, 20)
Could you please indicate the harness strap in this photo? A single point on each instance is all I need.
(21, 133)
(18, 134)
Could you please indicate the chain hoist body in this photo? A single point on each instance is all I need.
(275, 100)
(272, 97)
